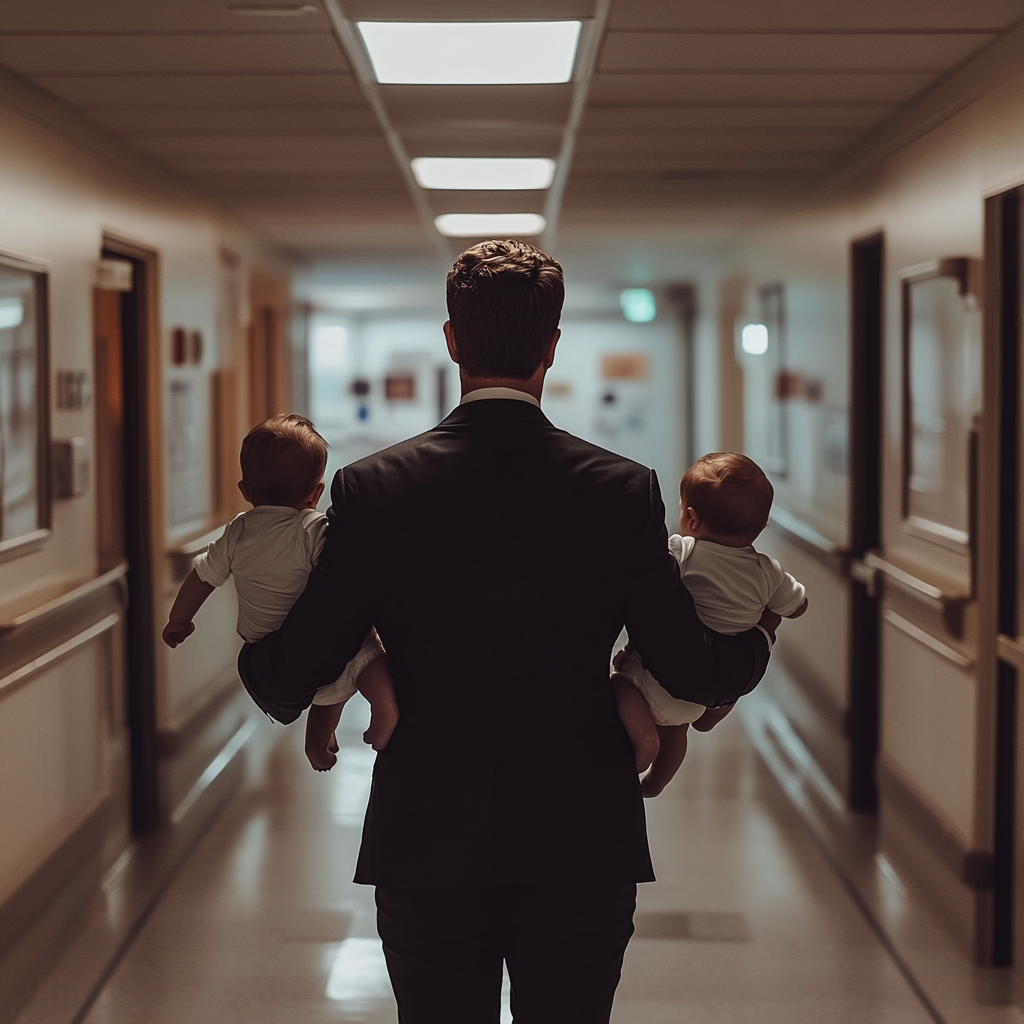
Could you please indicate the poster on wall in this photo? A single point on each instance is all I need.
(186, 453)
(23, 457)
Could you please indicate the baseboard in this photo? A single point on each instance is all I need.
(812, 714)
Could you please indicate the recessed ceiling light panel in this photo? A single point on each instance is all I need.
(489, 225)
(483, 172)
(471, 53)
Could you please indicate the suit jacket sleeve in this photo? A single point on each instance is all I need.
(322, 633)
(690, 661)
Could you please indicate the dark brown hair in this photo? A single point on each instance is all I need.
(504, 302)
(282, 459)
(729, 492)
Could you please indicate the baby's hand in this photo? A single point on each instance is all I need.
(177, 632)
(320, 759)
(622, 655)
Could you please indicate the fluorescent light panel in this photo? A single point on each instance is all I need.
(471, 53)
(638, 305)
(486, 225)
(483, 172)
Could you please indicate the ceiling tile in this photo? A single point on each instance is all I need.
(256, 53)
(527, 201)
(639, 119)
(703, 89)
(814, 15)
(712, 142)
(64, 16)
(260, 145)
(201, 90)
(410, 104)
(746, 52)
(340, 120)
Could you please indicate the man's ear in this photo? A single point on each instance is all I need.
(550, 357)
(449, 337)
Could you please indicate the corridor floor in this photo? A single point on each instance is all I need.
(746, 923)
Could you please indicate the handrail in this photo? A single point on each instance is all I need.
(63, 601)
(25, 672)
(817, 544)
(195, 546)
(950, 603)
(927, 640)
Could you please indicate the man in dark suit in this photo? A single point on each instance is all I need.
(498, 558)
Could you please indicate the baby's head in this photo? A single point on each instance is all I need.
(283, 462)
(725, 497)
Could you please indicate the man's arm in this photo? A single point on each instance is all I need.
(692, 662)
(322, 633)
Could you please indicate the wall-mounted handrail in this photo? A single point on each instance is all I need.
(806, 537)
(925, 638)
(64, 601)
(25, 672)
(949, 601)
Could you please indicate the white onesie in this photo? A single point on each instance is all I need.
(270, 551)
(731, 588)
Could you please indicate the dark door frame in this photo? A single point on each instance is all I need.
(1003, 252)
(137, 317)
(867, 335)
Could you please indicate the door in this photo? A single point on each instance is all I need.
(867, 270)
(121, 318)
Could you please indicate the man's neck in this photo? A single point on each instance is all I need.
(531, 386)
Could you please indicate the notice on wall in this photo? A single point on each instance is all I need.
(186, 455)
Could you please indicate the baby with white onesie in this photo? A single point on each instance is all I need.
(270, 551)
(724, 502)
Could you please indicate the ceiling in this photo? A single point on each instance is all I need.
(688, 105)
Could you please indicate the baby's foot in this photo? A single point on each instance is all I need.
(383, 719)
(651, 785)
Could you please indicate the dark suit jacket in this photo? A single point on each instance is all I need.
(498, 558)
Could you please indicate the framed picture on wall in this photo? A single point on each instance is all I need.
(941, 398)
(24, 405)
(776, 423)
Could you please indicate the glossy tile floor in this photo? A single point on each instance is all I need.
(747, 922)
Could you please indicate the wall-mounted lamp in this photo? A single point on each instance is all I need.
(754, 339)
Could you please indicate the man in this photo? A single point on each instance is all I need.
(498, 559)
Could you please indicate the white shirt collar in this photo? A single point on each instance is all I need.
(482, 393)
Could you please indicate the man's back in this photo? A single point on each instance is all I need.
(498, 553)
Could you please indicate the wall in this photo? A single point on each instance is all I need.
(62, 732)
(928, 198)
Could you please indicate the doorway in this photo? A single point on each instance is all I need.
(122, 317)
(867, 284)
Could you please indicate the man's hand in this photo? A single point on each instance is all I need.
(769, 622)
(177, 632)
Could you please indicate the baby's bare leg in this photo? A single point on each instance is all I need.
(637, 718)
(671, 752)
(711, 718)
(374, 683)
(321, 744)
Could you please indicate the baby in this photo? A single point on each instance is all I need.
(724, 499)
(270, 551)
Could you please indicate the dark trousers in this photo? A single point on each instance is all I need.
(563, 947)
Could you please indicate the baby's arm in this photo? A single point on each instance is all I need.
(321, 744)
(191, 595)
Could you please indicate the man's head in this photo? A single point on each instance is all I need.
(725, 496)
(283, 462)
(504, 303)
